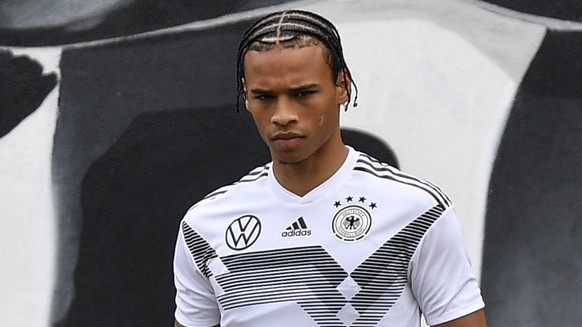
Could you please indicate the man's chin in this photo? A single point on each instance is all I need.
(289, 159)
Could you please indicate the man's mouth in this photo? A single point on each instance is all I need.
(286, 139)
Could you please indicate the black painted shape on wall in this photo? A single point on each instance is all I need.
(570, 10)
(138, 16)
(532, 268)
(132, 200)
(370, 144)
(23, 88)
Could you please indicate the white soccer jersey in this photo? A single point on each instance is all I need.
(371, 246)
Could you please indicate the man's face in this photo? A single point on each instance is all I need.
(294, 101)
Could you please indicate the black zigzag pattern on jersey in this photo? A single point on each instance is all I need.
(384, 275)
(253, 175)
(379, 169)
(199, 248)
(308, 276)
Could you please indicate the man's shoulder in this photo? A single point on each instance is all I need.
(251, 182)
(226, 202)
(386, 177)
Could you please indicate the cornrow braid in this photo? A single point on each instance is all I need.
(295, 28)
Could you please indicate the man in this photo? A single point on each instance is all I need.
(323, 235)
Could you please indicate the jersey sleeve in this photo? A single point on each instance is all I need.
(441, 275)
(196, 304)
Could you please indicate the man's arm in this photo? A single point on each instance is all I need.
(475, 319)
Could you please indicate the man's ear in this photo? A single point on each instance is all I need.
(343, 86)
(243, 83)
(244, 89)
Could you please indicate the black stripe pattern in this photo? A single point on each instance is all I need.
(201, 251)
(379, 169)
(308, 276)
(384, 275)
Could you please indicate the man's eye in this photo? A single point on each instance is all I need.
(303, 94)
(263, 97)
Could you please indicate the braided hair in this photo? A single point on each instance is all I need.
(295, 28)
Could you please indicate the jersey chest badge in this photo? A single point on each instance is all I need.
(353, 221)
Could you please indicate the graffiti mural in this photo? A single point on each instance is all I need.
(119, 115)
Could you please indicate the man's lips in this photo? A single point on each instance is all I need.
(286, 136)
(286, 139)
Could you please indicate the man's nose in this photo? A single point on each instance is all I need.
(284, 112)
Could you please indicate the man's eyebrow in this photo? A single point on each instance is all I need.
(300, 88)
(304, 87)
(259, 91)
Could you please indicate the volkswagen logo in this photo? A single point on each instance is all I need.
(243, 232)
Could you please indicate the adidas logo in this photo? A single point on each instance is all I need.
(297, 228)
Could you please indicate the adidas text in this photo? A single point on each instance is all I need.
(297, 232)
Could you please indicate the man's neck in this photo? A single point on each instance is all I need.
(301, 178)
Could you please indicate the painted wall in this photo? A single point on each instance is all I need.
(106, 140)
